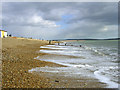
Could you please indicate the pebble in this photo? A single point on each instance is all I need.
(15, 65)
(56, 81)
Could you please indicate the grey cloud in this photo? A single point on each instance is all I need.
(89, 18)
(98, 12)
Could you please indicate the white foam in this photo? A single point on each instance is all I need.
(52, 47)
(94, 50)
(68, 62)
(61, 52)
(86, 66)
(104, 79)
(65, 71)
(79, 65)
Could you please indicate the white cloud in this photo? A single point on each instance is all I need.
(38, 20)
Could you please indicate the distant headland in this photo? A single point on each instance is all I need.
(88, 39)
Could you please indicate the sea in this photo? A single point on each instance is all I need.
(91, 58)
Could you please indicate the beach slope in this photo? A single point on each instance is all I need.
(17, 58)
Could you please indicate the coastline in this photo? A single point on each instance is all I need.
(18, 57)
(59, 78)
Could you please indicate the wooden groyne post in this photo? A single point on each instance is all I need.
(49, 41)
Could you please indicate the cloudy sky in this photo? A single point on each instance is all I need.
(61, 20)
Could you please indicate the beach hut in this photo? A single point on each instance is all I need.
(3, 33)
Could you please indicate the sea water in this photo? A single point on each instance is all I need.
(95, 58)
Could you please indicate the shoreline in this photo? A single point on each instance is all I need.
(17, 58)
(64, 81)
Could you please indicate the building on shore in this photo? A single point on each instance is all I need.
(3, 34)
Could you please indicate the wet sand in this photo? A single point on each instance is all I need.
(18, 58)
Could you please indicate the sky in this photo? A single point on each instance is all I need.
(61, 20)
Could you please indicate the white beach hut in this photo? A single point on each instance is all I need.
(5, 33)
